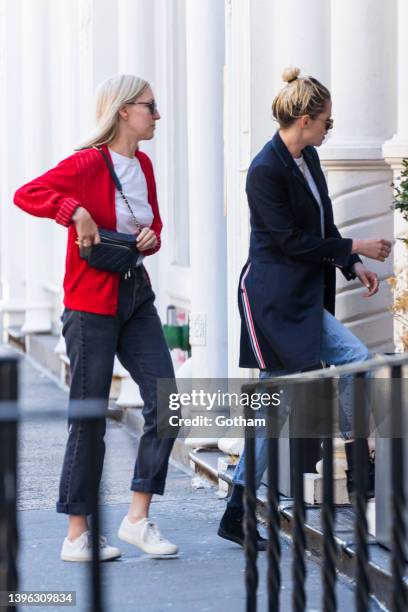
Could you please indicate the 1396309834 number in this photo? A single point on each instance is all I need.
(38, 598)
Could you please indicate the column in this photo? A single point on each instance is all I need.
(136, 42)
(395, 149)
(136, 51)
(65, 135)
(11, 167)
(291, 33)
(171, 273)
(205, 62)
(37, 157)
(236, 161)
(98, 54)
(64, 63)
(136, 47)
(258, 48)
(362, 85)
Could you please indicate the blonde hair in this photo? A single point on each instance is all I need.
(111, 95)
(300, 96)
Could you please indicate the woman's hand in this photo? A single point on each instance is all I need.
(146, 240)
(374, 248)
(86, 228)
(367, 278)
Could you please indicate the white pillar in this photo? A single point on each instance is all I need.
(395, 149)
(64, 70)
(258, 48)
(362, 60)
(237, 107)
(362, 57)
(37, 154)
(12, 253)
(136, 45)
(205, 61)
(136, 42)
(172, 270)
(98, 54)
(285, 33)
(64, 63)
(136, 55)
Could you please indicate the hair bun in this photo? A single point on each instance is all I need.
(290, 74)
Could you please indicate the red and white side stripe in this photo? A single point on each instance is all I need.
(250, 323)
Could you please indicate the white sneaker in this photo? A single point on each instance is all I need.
(146, 535)
(81, 549)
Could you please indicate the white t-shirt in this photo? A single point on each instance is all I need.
(303, 167)
(134, 186)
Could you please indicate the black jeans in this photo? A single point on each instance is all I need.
(135, 334)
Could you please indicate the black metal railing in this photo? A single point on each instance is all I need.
(10, 418)
(393, 410)
(8, 475)
(9, 425)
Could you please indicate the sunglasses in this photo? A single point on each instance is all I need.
(152, 106)
(328, 123)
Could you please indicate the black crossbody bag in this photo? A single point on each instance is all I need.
(117, 252)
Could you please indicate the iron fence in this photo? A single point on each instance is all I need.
(393, 407)
(10, 417)
(9, 421)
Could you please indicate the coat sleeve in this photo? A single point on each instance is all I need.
(54, 194)
(267, 197)
(346, 270)
(332, 231)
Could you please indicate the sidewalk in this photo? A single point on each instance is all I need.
(207, 576)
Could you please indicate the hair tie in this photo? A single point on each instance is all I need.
(294, 79)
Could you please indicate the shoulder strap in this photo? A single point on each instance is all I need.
(111, 169)
(118, 185)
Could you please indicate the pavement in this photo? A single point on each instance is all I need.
(208, 575)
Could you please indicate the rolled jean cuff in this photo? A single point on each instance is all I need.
(148, 485)
(74, 508)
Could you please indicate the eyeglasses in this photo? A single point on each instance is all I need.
(328, 123)
(151, 106)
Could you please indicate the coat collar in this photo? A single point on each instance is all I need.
(288, 161)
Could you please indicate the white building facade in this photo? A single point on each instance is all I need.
(215, 67)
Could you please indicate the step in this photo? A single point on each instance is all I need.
(380, 557)
(41, 348)
(16, 338)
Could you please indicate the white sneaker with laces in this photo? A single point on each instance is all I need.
(146, 535)
(81, 549)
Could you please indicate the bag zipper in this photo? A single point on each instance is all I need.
(117, 243)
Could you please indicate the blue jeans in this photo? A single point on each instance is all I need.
(339, 346)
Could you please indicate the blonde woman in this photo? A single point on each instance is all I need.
(108, 313)
(287, 286)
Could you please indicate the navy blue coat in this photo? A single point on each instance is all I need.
(290, 274)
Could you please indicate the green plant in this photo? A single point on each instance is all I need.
(399, 281)
(400, 200)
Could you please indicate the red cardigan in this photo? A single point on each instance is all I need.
(84, 180)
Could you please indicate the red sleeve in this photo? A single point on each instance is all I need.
(54, 194)
(157, 224)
